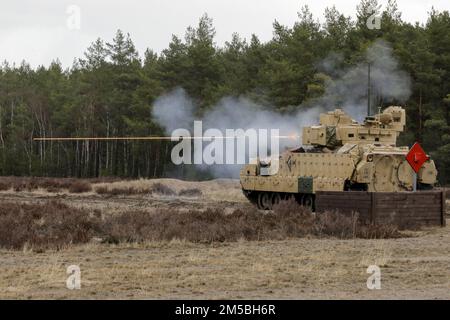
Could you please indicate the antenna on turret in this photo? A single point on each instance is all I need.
(368, 89)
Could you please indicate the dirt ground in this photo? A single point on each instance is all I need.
(411, 268)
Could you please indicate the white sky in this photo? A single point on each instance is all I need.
(36, 30)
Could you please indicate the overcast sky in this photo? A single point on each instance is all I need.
(38, 31)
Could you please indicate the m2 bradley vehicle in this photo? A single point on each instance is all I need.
(339, 154)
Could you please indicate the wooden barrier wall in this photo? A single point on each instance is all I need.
(424, 208)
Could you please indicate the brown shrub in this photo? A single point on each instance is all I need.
(4, 186)
(120, 191)
(101, 190)
(41, 226)
(57, 183)
(160, 188)
(289, 221)
(50, 184)
(52, 189)
(129, 191)
(194, 192)
(55, 225)
(19, 186)
(33, 183)
(80, 186)
(107, 179)
(195, 226)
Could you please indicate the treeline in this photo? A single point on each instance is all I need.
(110, 91)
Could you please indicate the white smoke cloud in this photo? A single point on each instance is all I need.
(348, 89)
(174, 110)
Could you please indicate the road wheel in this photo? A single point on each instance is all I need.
(299, 198)
(289, 197)
(276, 198)
(264, 201)
(308, 201)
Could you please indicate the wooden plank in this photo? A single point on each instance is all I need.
(414, 222)
(341, 201)
(417, 219)
(436, 204)
(397, 214)
(410, 203)
(407, 224)
(410, 214)
(400, 195)
(407, 214)
(414, 214)
(410, 199)
(361, 212)
(335, 198)
(345, 206)
(373, 208)
(394, 206)
(434, 210)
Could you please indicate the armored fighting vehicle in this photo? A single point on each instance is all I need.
(339, 154)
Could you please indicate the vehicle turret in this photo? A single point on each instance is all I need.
(336, 128)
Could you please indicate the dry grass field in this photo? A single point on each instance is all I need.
(415, 265)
